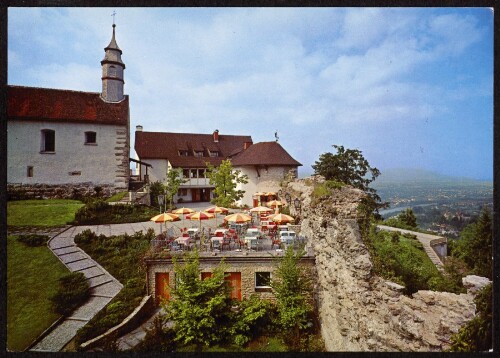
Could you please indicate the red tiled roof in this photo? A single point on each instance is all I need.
(31, 103)
(264, 153)
(161, 145)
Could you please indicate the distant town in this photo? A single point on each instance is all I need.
(444, 207)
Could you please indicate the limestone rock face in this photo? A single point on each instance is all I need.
(474, 283)
(358, 310)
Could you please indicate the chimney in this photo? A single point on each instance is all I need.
(138, 128)
(246, 145)
(216, 136)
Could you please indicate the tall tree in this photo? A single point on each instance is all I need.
(408, 218)
(349, 166)
(200, 309)
(174, 181)
(292, 287)
(475, 245)
(225, 179)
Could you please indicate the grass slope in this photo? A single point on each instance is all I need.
(43, 213)
(32, 277)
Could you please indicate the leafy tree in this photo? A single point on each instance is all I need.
(200, 309)
(225, 180)
(349, 166)
(476, 335)
(174, 181)
(156, 188)
(408, 218)
(292, 287)
(475, 245)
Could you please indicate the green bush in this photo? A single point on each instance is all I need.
(33, 240)
(72, 292)
(253, 317)
(404, 261)
(97, 212)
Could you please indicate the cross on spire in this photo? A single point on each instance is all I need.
(113, 14)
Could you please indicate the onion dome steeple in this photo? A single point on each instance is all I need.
(112, 72)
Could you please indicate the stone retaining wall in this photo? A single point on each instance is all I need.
(132, 321)
(59, 191)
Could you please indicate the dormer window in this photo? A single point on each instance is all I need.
(214, 154)
(183, 153)
(198, 153)
(91, 138)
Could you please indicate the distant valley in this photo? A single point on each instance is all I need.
(441, 203)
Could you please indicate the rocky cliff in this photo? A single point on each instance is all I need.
(358, 310)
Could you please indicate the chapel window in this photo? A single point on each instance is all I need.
(48, 141)
(90, 138)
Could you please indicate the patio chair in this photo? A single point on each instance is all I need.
(226, 243)
(276, 242)
(175, 246)
(216, 245)
(253, 245)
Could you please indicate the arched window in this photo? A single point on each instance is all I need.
(48, 141)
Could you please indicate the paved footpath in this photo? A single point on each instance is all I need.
(103, 286)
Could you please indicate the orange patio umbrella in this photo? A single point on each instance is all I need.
(183, 211)
(282, 218)
(274, 203)
(238, 218)
(199, 216)
(163, 218)
(216, 210)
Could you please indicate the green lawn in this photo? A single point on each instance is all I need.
(117, 197)
(44, 213)
(32, 277)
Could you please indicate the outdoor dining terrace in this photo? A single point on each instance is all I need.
(235, 240)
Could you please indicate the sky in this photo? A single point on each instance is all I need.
(408, 87)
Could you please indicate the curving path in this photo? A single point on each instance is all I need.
(103, 286)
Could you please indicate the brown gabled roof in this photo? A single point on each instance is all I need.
(31, 103)
(161, 145)
(264, 153)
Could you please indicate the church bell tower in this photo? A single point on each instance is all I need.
(112, 72)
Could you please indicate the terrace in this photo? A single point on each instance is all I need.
(233, 241)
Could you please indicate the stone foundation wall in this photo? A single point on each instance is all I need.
(245, 265)
(360, 311)
(59, 191)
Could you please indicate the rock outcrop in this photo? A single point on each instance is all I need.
(358, 310)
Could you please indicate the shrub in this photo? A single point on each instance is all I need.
(97, 211)
(33, 240)
(73, 291)
(252, 318)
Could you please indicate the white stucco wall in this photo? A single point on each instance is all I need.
(158, 172)
(269, 180)
(100, 164)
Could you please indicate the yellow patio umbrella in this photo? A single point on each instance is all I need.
(282, 218)
(216, 210)
(183, 211)
(163, 218)
(238, 218)
(260, 209)
(199, 216)
(274, 203)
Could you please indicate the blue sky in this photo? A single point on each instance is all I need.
(409, 87)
